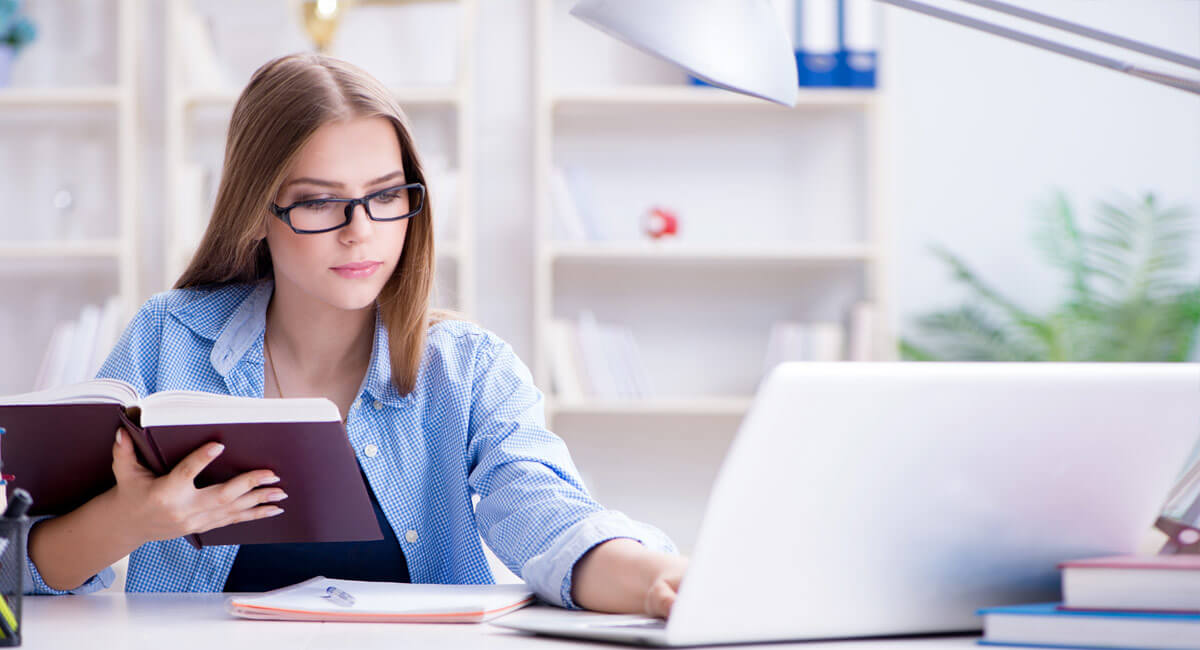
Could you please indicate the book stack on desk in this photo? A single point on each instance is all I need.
(1126, 601)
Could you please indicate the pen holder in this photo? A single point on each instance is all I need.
(12, 578)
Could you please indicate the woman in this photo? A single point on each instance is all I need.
(313, 279)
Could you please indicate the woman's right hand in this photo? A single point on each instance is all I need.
(171, 506)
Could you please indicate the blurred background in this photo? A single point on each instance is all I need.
(650, 246)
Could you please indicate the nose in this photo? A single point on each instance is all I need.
(360, 226)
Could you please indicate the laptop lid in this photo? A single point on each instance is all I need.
(895, 498)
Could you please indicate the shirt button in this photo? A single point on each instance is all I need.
(370, 450)
(411, 536)
(378, 405)
(357, 403)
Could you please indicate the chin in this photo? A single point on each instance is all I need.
(351, 295)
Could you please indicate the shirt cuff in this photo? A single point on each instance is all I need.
(34, 584)
(550, 573)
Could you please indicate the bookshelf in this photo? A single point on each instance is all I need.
(79, 244)
(781, 218)
(440, 113)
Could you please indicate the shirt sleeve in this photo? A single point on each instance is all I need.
(533, 511)
(133, 359)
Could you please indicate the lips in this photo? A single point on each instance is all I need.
(356, 266)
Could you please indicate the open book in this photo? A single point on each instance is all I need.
(58, 445)
(322, 599)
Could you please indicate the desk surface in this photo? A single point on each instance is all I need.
(187, 621)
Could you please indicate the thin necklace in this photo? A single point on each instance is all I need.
(274, 375)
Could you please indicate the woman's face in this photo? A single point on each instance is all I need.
(344, 268)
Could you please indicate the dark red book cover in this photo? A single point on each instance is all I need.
(62, 454)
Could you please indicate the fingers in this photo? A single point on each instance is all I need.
(257, 498)
(125, 463)
(659, 599)
(194, 463)
(252, 514)
(234, 488)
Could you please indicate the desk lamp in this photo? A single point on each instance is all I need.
(740, 45)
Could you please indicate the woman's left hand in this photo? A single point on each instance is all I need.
(621, 576)
(660, 597)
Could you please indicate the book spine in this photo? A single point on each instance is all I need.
(143, 441)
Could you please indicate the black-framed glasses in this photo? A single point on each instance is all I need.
(322, 215)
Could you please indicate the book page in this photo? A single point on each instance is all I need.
(95, 391)
(178, 407)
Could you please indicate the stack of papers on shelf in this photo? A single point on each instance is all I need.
(573, 218)
(790, 341)
(591, 359)
(78, 348)
(382, 602)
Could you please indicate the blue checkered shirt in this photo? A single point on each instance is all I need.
(473, 427)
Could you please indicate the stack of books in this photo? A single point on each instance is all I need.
(78, 348)
(1126, 601)
(596, 360)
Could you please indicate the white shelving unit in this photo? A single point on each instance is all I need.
(781, 219)
(609, 104)
(454, 100)
(72, 269)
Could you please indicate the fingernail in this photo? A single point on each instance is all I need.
(277, 497)
(216, 451)
(118, 436)
(269, 480)
(276, 511)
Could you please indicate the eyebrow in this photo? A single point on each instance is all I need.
(336, 185)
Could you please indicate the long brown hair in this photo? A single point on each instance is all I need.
(288, 99)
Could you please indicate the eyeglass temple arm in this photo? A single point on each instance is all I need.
(1182, 83)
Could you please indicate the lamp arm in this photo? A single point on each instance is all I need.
(1174, 81)
(1083, 30)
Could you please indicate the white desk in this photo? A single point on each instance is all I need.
(199, 621)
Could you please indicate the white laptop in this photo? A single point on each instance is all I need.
(865, 499)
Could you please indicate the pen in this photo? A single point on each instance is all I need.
(338, 596)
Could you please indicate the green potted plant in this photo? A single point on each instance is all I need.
(16, 31)
(1127, 295)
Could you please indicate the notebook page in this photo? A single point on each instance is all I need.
(178, 407)
(389, 598)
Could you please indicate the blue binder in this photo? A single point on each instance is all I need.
(857, 52)
(817, 42)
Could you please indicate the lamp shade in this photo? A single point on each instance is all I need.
(739, 45)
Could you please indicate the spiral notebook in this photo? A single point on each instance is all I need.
(323, 599)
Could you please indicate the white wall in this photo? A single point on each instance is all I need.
(982, 129)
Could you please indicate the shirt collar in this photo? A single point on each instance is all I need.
(237, 332)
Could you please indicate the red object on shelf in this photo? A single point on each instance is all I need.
(660, 222)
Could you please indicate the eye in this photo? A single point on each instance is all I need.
(388, 197)
(317, 205)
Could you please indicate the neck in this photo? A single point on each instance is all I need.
(320, 342)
